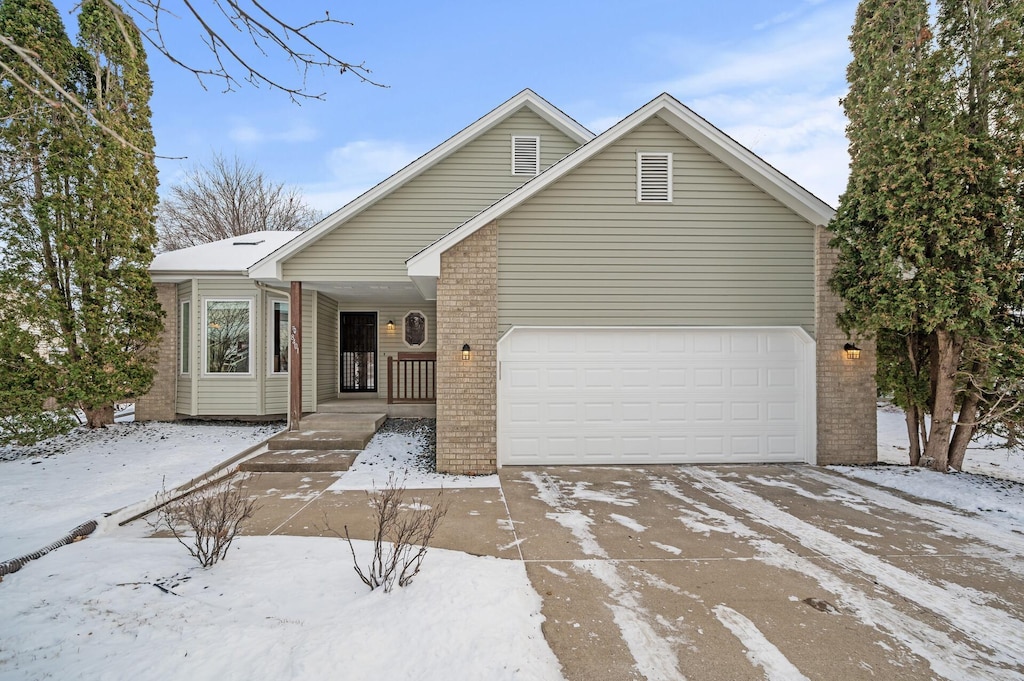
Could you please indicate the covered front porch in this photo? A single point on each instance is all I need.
(363, 348)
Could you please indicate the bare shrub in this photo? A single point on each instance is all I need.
(206, 521)
(401, 537)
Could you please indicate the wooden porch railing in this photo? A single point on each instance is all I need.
(412, 378)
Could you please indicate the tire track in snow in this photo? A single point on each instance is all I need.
(989, 627)
(760, 650)
(653, 655)
(946, 657)
(947, 521)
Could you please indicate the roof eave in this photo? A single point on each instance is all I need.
(272, 262)
(729, 151)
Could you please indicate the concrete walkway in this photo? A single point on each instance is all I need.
(731, 573)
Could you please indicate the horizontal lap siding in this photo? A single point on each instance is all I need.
(374, 245)
(389, 343)
(183, 392)
(583, 252)
(228, 395)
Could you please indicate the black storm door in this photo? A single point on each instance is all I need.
(358, 352)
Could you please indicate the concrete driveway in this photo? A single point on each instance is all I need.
(724, 572)
(763, 572)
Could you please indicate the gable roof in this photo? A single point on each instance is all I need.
(426, 264)
(232, 256)
(270, 266)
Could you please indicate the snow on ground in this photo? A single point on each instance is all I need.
(126, 607)
(986, 455)
(992, 484)
(402, 447)
(50, 488)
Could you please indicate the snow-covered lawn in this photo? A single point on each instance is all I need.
(991, 485)
(125, 607)
(47, 490)
(122, 606)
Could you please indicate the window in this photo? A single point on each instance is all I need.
(185, 336)
(228, 336)
(525, 155)
(654, 177)
(279, 333)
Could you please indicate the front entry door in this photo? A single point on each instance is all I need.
(358, 352)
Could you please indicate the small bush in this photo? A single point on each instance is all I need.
(401, 537)
(206, 521)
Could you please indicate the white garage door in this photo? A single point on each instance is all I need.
(665, 395)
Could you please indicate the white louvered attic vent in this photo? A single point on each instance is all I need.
(525, 155)
(654, 177)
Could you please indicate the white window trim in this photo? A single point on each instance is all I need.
(271, 301)
(206, 344)
(639, 176)
(184, 332)
(536, 160)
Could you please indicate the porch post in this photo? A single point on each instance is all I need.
(295, 356)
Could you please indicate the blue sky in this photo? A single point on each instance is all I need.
(768, 72)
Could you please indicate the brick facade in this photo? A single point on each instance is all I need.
(158, 403)
(847, 414)
(467, 313)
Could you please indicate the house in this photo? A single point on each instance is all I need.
(653, 294)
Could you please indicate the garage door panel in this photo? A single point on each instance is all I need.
(577, 396)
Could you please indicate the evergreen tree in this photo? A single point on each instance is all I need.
(79, 227)
(929, 228)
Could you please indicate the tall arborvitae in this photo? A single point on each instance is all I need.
(76, 265)
(927, 226)
(37, 131)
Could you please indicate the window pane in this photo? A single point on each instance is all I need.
(227, 336)
(185, 325)
(279, 334)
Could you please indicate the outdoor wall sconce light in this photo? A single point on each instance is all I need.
(465, 352)
(852, 351)
(391, 326)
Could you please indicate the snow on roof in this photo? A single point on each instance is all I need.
(233, 255)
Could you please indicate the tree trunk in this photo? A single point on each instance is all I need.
(915, 439)
(966, 427)
(947, 359)
(97, 417)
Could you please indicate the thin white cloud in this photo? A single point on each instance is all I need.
(787, 15)
(777, 92)
(244, 132)
(355, 168)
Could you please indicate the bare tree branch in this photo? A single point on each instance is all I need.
(267, 31)
(228, 198)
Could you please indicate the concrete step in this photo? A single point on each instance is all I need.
(337, 421)
(372, 406)
(300, 461)
(321, 440)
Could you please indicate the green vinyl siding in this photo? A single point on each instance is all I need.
(723, 252)
(258, 393)
(389, 343)
(229, 394)
(326, 349)
(374, 245)
(276, 386)
(183, 390)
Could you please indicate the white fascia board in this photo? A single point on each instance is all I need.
(170, 276)
(270, 266)
(746, 163)
(688, 123)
